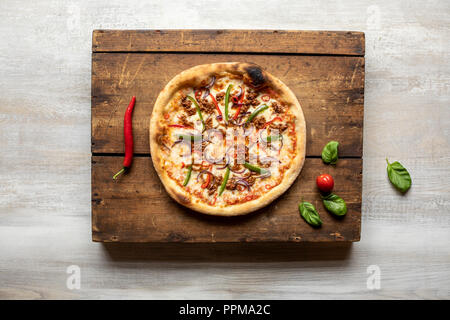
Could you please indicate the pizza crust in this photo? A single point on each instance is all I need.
(254, 76)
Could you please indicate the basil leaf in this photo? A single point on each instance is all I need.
(399, 176)
(309, 213)
(330, 152)
(335, 204)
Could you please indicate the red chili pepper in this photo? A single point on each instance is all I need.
(265, 98)
(292, 130)
(215, 199)
(166, 116)
(237, 112)
(179, 126)
(183, 165)
(274, 119)
(198, 94)
(240, 101)
(206, 183)
(216, 104)
(128, 138)
(249, 198)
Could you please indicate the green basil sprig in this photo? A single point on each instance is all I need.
(335, 204)
(330, 152)
(399, 176)
(309, 213)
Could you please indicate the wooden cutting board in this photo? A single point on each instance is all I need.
(324, 69)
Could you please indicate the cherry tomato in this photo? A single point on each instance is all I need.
(325, 182)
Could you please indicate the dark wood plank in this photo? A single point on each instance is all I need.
(136, 208)
(329, 85)
(273, 41)
(330, 90)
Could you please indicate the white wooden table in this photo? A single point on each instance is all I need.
(45, 52)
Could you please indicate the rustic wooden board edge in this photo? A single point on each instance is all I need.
(97, 236)
(307, 42)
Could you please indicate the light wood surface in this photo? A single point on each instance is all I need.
(45, 54)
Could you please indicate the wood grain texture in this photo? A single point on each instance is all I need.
(276, 41)
(45, 185)
(138, 209)
(330, 91)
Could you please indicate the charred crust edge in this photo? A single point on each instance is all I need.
(256, 75)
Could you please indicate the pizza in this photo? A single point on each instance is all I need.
(227, 138)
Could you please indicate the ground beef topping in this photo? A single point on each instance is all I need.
(191, 111)
(279, 126)
(206, 106)
(259, 122)
(251, 103)
(187, 106)
(185, 122)
(185, 102)
(231, 184)
(252, 95)
(251, 180)
(220, 96)
(250, 99)
(209, 123)
(217, 181)
(278, 108)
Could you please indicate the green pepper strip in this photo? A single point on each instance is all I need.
(188, 176)
(227, 100)
(255, 168)
(224, 182)
(269, 139)
(199, 112)
(256, 112)
(189, 137)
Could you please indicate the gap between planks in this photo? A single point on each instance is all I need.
(147, 155)
(237, 53)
